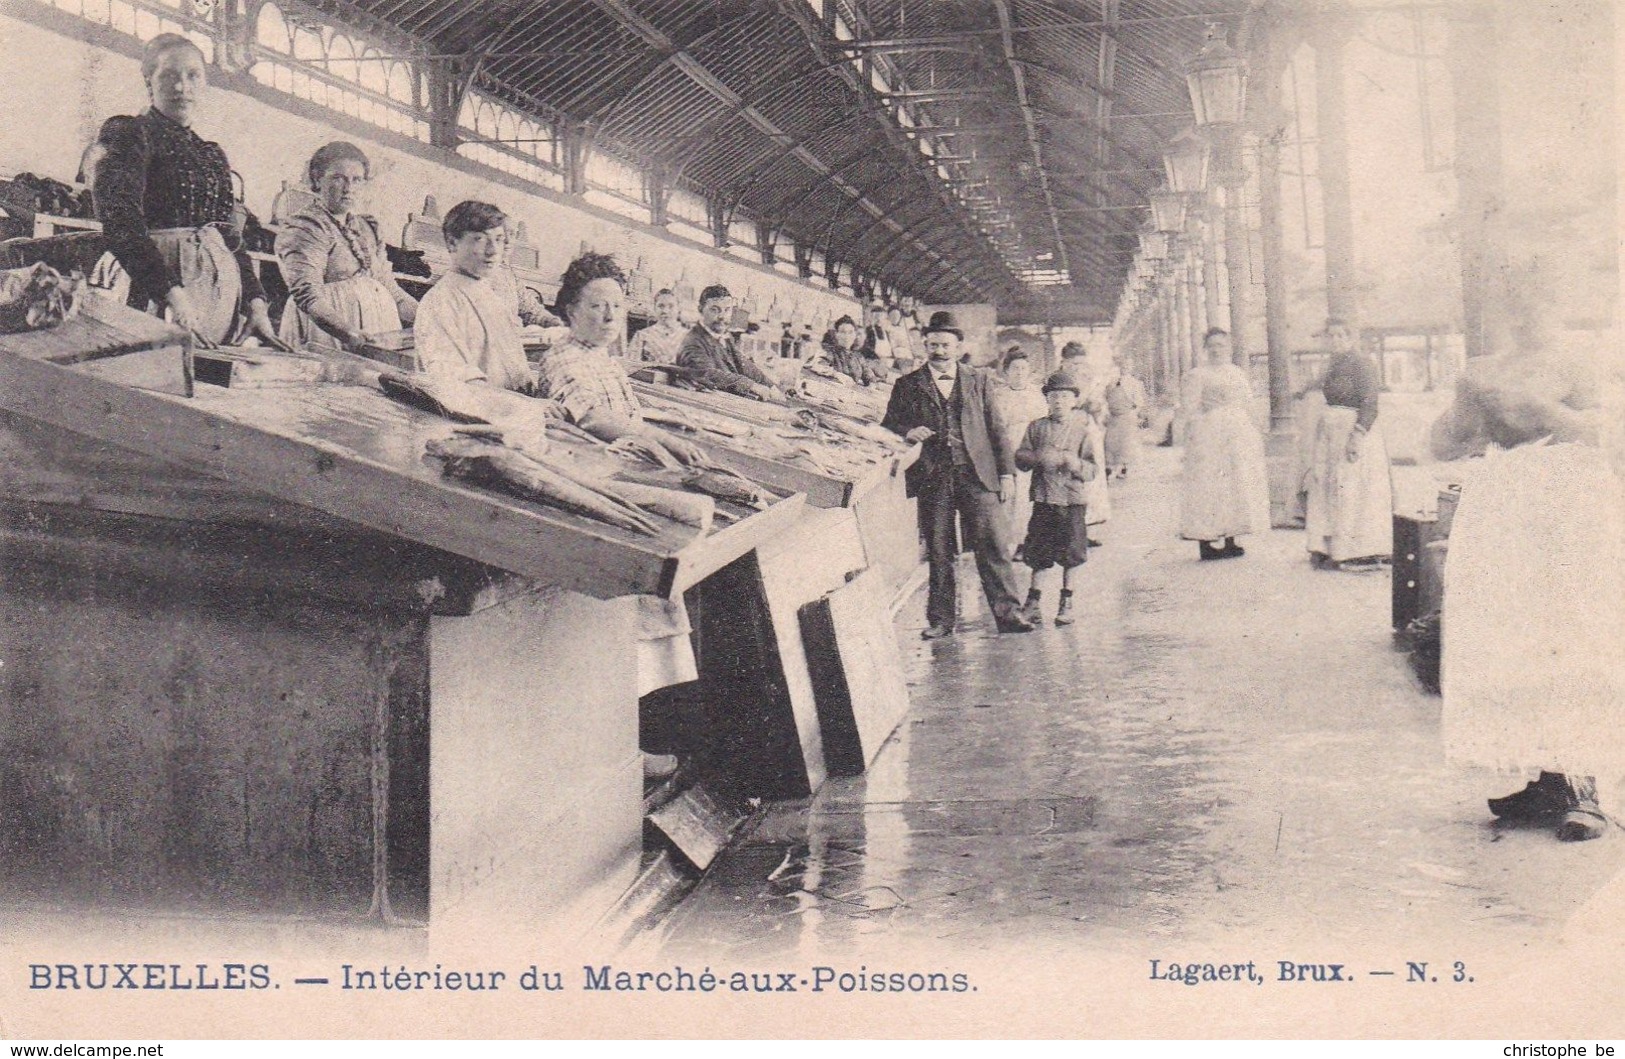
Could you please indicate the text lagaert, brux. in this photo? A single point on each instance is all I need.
(1192, 973)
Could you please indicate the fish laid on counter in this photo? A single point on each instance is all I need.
(668, 501)
(851, 427)
(866, 404)
(667, 418)
(426, 396)
(694, 419)
(637, 448)
(716, 482)
(691, 509)
(726, 485)
(497, 467)
(565, 430)
(874, 432)
(524, 421)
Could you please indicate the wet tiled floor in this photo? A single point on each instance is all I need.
(1212, 749)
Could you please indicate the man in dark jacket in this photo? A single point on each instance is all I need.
(966, 468)
(711, 356)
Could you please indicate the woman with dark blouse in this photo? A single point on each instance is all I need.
(164, 197)
(1350, 510)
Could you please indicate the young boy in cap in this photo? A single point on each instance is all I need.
(1059, 450)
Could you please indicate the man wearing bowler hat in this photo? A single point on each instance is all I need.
(966, 467)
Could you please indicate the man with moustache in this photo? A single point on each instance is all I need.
(966, 467)
(712, 356)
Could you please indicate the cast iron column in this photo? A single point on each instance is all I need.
(1273, 123)
(1478, 166)
(1332, 130)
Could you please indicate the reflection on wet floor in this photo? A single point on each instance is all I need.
(1213, 748)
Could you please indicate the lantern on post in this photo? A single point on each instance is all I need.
(1217, 79)
(1167, 211)
(1186, 163)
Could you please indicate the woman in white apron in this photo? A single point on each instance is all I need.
(1534, 601)
(1349, 519)
(1124, 399)
(164, 197)
(341, 291)
(1225, 486)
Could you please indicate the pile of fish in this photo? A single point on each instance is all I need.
(868, 405)
(488, 463)
(37, 297)
(483, 451)
(824, 441)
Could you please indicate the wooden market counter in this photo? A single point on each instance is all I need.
(260, 656)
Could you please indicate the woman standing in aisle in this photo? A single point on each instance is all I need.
(341, 291)
(1349, 517)
(1534, 606)
(164, 197)
(1075, 361)
(1021, 403)
(1125, 397)
(1225, 488)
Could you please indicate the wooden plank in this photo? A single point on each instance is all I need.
(164, 369)
(327, 431)
(711, 553)
(857, 672)
(819, 556)
(398, 349)
(888, 521)
(748, 740)
(698, 825)
(356, 570)
(42, 464)
(103, 328)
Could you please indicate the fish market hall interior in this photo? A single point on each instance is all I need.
(588, 475)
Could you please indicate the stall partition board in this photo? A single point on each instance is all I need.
(535, 778)
(857, 672)
(824, 552)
